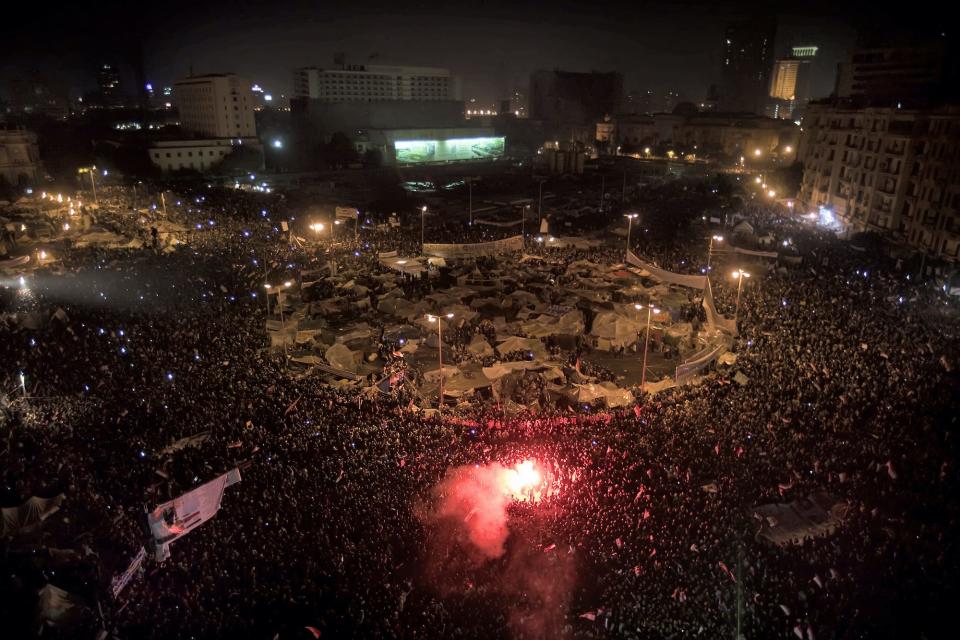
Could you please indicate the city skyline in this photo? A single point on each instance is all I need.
(657, 46)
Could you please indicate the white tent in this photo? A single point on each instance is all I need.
(341, 357)
(529, 345)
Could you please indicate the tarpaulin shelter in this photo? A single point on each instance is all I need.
(28, 517)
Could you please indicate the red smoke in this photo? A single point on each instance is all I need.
(476, 498)
(467, 525)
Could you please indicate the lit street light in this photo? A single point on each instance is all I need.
(629, 217)
(710, 249)
(423, 213)
(651, 310)
(739, 274)
(439, 321)
(93, 182)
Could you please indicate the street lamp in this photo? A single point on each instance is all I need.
(93, 182)
(423, 213)
(710, 249)
(316, 227)
(772, 193)
(739, 274)
(439, 321)
(757, 152)
(629, 217)
(651, 310)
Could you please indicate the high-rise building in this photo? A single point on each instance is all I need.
(218, 105)
(892, 74)
(570, 97)
(746, 64)
(108, 81)
(790, 84)
(375, 82)
(885, 169)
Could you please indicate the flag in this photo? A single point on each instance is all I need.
(636, 410)
(314, 631)
(550, 548)
(589, 615)
(786, 609)
(797, 631)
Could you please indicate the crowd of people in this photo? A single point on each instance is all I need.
(848, 392)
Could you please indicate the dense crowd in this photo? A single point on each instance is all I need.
(847, 392)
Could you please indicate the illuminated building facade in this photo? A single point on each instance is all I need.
(19, 157)
(375, 82)
(746, 65)
(216, 105)
(888, 170)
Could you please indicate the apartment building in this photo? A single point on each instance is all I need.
(894, 171)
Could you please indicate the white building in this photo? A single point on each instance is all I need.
(216, 105)
(375, 82)
(203, 154)
(19, 157)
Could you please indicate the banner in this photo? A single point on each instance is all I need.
(347, 212)
(694, 282)
(180, 516)
(495, 223)
(759, 254)
(476, 250)
(714, 319)
(697, 362)
(119, 582)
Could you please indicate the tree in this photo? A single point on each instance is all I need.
(338, 152)
(241, 160)
(372, 158)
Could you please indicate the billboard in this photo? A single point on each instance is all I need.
(480, 148)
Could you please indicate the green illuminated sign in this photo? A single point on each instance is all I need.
(416, 151)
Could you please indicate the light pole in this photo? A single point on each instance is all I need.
(163, 201)
(629, 217)
(439, 321)
(540, 203)
(470, 199)
(651, 310)
(710, 249)
(739, 274)
(423, 213)
(93, 182)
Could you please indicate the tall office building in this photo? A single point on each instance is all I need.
(569, 97)
(375, 82)
(108, 81)
(790, 84)
(218, 105)
(747, 60)
(901, 63)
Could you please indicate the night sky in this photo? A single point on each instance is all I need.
(493, 46)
